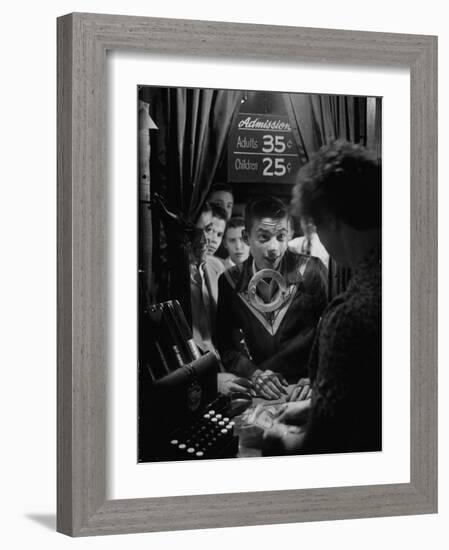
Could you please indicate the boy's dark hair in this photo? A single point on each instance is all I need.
(207, 207)
(218, 211)
(221, 187)
(265, 207)
(235, 221)
(344, 180)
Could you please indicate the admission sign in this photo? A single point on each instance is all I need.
(262, 148)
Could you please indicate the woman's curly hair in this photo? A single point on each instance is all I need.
(344, 180)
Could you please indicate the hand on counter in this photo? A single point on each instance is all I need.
(269, 384)
(301, 391)
(228, 383)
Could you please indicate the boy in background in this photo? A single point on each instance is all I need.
(204, 273)
(235, 243)
(222, 195)
(217, 229)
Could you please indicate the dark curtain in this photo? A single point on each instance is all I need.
(198, 122)
(195, 125)
(321, 119)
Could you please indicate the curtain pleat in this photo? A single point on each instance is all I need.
(216, 122)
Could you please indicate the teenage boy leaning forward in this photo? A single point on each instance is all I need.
(269, 346)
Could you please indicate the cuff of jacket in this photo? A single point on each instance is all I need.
(238, 364)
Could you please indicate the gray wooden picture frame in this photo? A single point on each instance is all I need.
(83, 40)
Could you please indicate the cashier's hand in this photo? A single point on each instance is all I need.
(295, 413)
(283, 439)
(269, 384)
(287, 434)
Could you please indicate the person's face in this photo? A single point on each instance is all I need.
(215, 235)
(200, 239)
(223, 199)
(235, 245)
(268, 240)
(307, 226)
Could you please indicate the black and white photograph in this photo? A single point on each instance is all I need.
(260, 220)
(220, 302)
